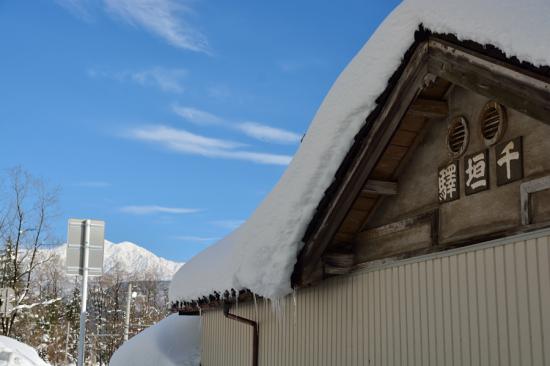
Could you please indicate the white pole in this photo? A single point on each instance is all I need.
(67, 343)
(5, 299)
(128, 305)
(84, 295)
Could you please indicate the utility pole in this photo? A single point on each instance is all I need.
(128, 307)
(67, 342)
(82, 333)
(85, 246)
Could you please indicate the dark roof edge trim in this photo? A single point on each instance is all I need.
(421, 35)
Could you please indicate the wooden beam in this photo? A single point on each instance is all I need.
(398, 226)
(525, 190)
(397, 238)
(516, 88)
(512, 86)
(383, 128)
(429, 108)
(380, 187)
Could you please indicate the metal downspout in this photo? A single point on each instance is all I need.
(255, 331)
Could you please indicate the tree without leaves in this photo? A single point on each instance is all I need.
(26, 208)
(38, 277)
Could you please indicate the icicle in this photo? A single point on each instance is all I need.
(277, 307)
(274, 306)
(200, 317)
(256, 306)
(295, 307)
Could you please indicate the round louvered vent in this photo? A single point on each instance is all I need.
(458, 136)
(492, 122)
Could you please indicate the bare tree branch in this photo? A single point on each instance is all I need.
(27, 206)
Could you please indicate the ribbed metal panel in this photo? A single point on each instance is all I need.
(483, 306)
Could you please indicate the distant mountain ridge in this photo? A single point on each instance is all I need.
(132, 259)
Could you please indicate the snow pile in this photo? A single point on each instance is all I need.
(15, 353)
(174, 341)
(260, 255)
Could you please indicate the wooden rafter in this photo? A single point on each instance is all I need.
(429, 108)
(380, 187)
(511, 86)
(381, 132)
(514, 87)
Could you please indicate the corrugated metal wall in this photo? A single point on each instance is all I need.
(489, 305)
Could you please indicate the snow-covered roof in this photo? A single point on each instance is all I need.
(15, 353)
(260, 255)
(174, 341)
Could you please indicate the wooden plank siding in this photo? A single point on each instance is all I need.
(407, 135)
(488, 304)
(395, 128)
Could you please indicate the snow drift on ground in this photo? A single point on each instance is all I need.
(260, 255)
(132, 259)
(174, 341)
(15, 353)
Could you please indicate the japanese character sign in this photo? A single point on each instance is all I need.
(509, 158)
(448, 182)
(476, 172)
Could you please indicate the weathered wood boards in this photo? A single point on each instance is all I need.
(429, 108)
(414, 233)
(395, 129)
(511, 86)
(528, 188)
(381, 132)
(379, 187)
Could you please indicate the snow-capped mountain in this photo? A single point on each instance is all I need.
(132, 258)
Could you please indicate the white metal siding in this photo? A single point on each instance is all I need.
(481, 306)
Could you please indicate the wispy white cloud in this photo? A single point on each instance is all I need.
(261, 158)
(180, 140)
(255, 130)
(153, 209)
(163, 18)
(228, 224)
(197, 116)
(195, 238)
(267, 133)
(166, 79)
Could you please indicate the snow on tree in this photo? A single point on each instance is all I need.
(27, 207)
(47, 307)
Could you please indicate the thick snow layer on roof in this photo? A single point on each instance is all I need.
(174, 341)
(260, 255)
(15, 353)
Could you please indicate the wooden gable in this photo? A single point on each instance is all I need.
(367, 203)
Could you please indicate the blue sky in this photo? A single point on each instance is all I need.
(170, 120)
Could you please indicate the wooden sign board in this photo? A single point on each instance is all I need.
(448, 182)
(509, 161)
(476, 172)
